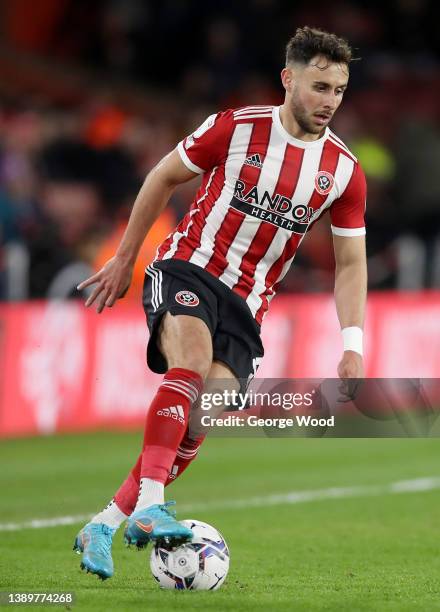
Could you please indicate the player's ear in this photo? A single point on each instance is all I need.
(287, 79)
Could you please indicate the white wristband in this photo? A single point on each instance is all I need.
(352, 338)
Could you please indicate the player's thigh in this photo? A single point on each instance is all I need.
(186, 342)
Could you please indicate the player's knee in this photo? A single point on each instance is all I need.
(196, 362)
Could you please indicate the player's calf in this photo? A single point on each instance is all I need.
(185, 454)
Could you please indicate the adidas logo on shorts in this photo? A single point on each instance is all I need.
(254, 160)
(174, 412)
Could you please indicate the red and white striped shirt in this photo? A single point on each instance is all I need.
(262, 189)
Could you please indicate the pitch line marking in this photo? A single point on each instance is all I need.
(416, 485)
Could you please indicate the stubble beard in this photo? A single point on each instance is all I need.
(300, 115)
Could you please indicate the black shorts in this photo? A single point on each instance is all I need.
(182, 288)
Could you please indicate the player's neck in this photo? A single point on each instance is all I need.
(292, 127)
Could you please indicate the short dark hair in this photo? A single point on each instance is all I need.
(309, 42)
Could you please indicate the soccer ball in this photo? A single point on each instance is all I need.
(201, 564)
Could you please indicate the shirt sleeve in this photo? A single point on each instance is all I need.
(208, 146)
(348, 211)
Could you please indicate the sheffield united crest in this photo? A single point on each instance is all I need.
(187, 298)
(324, 182)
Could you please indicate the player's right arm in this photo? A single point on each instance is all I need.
(113, 280)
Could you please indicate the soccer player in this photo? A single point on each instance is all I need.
(268, 174)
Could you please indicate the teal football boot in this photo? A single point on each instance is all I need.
(156, 524)
(95, 542)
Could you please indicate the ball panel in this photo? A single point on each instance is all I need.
(201, 564)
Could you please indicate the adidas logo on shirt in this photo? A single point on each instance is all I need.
(174, 412)
(254, 160)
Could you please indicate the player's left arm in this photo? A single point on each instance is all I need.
(348, 228)
(350, 296)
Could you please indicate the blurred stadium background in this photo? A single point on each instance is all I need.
(92, 96)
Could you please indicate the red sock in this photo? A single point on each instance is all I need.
(185, 454)
(167, 420)
(127, 494)
(178, 385)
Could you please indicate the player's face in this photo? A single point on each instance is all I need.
(316, 92)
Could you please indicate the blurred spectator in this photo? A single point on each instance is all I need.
(417, 191)
(163, 226)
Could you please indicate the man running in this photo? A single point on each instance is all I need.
(268, 174)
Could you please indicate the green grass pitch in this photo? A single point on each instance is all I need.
(367, 552)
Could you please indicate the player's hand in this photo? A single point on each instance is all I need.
(351, 373)
(112, 282)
